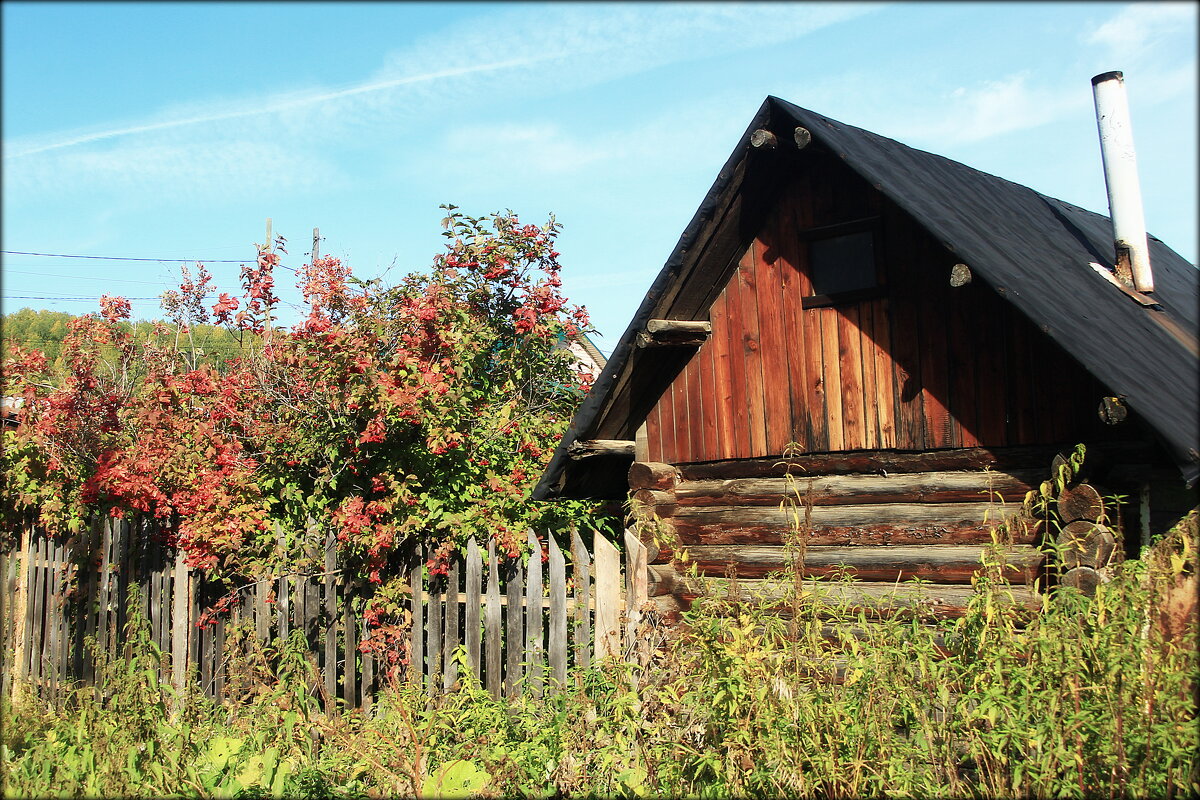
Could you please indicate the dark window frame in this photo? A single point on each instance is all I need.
(864, 225)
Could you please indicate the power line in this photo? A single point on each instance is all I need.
(130, 258)
(93, 299)
(84, 277)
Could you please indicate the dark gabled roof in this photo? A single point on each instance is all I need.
(1034, 250)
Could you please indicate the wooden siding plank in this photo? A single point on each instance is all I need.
(608, 596)
(850, 371)
(654, 451)
(416, 651)
(1021, 390)
(991, 375)
(752, 348)
(792, 319)
(832, 378)
(739, 399)
(904, 329)
(710, 448)
(718, 347)
(964, 402)
(666, 407)
(866, 335)
(768, 265)
(940, 430)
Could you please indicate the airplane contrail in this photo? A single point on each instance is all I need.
(270, 109)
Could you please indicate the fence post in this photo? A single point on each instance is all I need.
(608, 598)
(516, 633)
(474, 588)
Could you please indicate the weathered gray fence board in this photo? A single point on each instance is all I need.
(451, 639)
(582, 572)
(514, 630)
(474, 585)
(534, 649)
(558, 614)
(492, 633)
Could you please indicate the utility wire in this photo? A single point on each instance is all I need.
(123, 258)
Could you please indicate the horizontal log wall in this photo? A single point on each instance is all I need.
(919, 365)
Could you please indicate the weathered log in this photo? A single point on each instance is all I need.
(1081, 502)
(763, 139)
(663, 579)
(891, 461)
(1086, 544)
(1112, 410)
(918, 487)
(652, 475)
(657, 499)
(674, 333)
(802, 137)
(882, 523)
(943, 601)
(936, 563)
(1085, 579)
(600, 447)
(960, 275)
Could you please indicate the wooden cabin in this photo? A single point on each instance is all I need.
(904, 344)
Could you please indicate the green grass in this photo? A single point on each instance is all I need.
(1086, 699)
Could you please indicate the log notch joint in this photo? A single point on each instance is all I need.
(674, 333)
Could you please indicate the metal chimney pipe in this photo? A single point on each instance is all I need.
(1121, 178)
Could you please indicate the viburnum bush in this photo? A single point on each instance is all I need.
(391, 416)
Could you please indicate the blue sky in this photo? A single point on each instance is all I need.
(172, 131)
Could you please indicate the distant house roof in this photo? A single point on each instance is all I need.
(1034, 250)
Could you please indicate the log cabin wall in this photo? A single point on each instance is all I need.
(914, 364)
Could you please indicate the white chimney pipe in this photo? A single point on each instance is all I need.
(1121, 178)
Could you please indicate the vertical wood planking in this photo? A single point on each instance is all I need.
(654, 434)
(792, 320)
(711, 448)
(964, 349)
(990, 369)
(752, 350)
(474, 599)
(904, 330)
(768, 263)
(24, 606)
(698, 400)
(866, 334)
(850, 371)
(492, 628)
(718, 347)
(283, 602)
(514, 629)
(558, 613)
(885, 373)
(666, 410)
(682, 402)
(450, 639)
(1022, 423)
(581, 572)
(832, 377)
(739, 399)
(535, 653)
(37, 606)
(933, 280)
(608, 597)
(636, 592)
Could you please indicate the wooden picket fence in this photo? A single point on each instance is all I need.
(511, 626)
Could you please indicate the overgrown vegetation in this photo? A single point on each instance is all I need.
(1090, 697)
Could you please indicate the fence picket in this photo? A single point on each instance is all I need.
(582, 573)
(450, 639)
(525, 638)
(330, 621)
(471, 629)
(558, 613)
(492, 634)
(514, 629)
(608, 593)
(534, 649)
(416, 652)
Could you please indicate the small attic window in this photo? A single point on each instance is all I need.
(843, 265)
